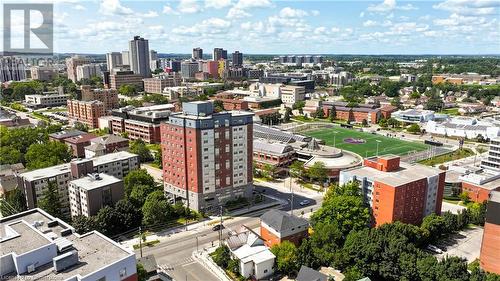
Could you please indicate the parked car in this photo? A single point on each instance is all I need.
(434, 249)
(304, 202)
(218, 227)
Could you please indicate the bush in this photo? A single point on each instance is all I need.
(221, 256)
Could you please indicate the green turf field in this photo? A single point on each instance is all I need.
(369, 148)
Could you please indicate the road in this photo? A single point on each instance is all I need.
(174, 253)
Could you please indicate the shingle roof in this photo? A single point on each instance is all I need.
(108, 139)
(280, 220)
(309, 274)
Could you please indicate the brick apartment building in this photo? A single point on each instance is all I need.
(121, 78)
(33, 183)
(86, 112)
(77, 144)
(207, 156)
(157, 84)
(397, 191)
(140, 123)
(490, 246)
(37, 246)
(89, 194)
(277, 226)
(109, 97)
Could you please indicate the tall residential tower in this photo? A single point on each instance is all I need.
(139, 56)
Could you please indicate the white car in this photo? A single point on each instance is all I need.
(434, 249)
(304, 202)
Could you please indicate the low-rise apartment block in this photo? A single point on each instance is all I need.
(86, 112)
(91, 193)
(120, 78)
(157, 84)
(38, 246)
(397, 191)
(109, 97)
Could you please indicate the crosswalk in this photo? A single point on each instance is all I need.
(172, 266)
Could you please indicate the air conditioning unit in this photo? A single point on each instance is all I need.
(31, 268)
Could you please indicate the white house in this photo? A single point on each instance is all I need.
(256, 260)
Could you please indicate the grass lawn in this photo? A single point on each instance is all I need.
(455, 155)
(450, 111)
(369, 147)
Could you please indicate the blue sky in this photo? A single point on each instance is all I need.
(281, 27)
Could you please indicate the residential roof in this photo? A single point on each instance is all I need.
(79, 139)
(309, 274)
(96, 147)
(66, 134)
(149, 263)
(108, 139)
(281, 221)
(95, 181)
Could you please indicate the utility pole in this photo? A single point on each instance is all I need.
(140, 239)
(220, 228)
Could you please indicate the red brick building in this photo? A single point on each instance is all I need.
(398, 191)
(207, 156)
(387, 110)
(86, 112)
(233, 104)
(276, 154)
(277, 226)
(353, 114)
(78, 144)
(109, 97)
(490, 246)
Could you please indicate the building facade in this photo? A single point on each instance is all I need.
(87, 71)
(12, 69)
(207, 156)
(277, 226)
(492, 160)
(197, 53)
(121, 78)
(139, 56)
(490, 246)
(43, 73)
(397, 191)
(86, 112)
(109, 97)
(157, 84)
(237, 59)
(113, 60)
(49, 100)
(189, 69)
(72, 63)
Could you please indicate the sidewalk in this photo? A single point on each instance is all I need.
(203, 258)
(283, 185)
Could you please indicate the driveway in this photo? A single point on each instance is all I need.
(465, 244)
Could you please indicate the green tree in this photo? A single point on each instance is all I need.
(10, 155)
(383, 123)
(137, 177)
(333, 113)
(320, 113)
(414, 129)
(139, 147)
(142, 274)
(139, 194)
(108, 221)
(287, 115)
(306, 256)
(364, 123)
(156, 209)
(83, 224)
(234, 266)
(221, 256)
(317, 172)
(41, 155)
(50, 201)
(127, 90)
(286, 257)
(326, 241)
(218, 105)
(129, 216)
(393, 122)
(297, 170)
(13, 203)
(433, 226)
(464, 196)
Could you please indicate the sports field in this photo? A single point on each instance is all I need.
(367, 145)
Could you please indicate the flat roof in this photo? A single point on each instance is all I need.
(47, 172)
(90, 182)
(25, 238)
(405, 174)
(112, 157)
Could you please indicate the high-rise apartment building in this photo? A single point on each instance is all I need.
(207, 156)
(121, 78)
(237, 59)
(86, 112)
(43, 73)
(72, 63)
(12, 69)
(114, 60)
(397, 191)
(88, 71)
(139, 56)
(189, 69)
(158, 83)
(219, 54)
(197, 53)
(109, 97)
(490, 246)
(126, 58)
(492, 160)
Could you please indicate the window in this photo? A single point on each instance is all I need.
(123, 272)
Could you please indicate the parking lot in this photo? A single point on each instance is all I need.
(465, 244)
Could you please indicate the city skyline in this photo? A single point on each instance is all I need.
(282, 27)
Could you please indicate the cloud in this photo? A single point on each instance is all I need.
(79, 8)
(288, 12)
(217, 4)
(469, 7)
(114, 7)
(149, 14)
(188, 7)
(249, 4)
(362, 14)
(236, 13)
(370, 23)
(320, 30)
(169, 11)
(207, 27)
(388, 6)
(315, 12)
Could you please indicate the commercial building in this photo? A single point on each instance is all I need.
(341, 79)
(114, 60)
(157, 84)
(106, 144)
(277, 226)
(87, 71)
(109, 97)
(277, 154)
(414, 115)
(207, 156)
(189, 69)
(197, 53)
(233, 104)
(33, 183)
(489, 259)
(139, 56)
(140, 123)
(464, 127)
(292, 94)
(46, 100)
(43, 73)
(492, 160)
(237, 59)
(38, 246)
(397, 191)
(219, 54)
(120, 78)
(89, 194)
(86, 112)
(72, 63)
(62, 135)
(12, 69)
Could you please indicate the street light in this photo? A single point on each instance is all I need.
(378, 142)
(334, 138)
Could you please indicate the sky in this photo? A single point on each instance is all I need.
(280, 27)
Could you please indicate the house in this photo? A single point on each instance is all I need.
(105, 144)
(149, 264)
(309, 274)
(256, 260)
(78, 143)
(277, 226)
